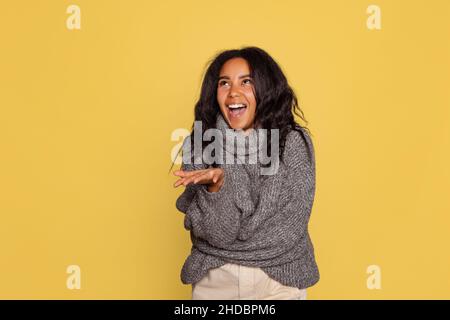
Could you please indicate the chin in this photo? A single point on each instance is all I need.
(237, 125)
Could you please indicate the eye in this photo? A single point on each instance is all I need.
(247, 81)
(223, 82)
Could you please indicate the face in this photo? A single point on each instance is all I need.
(235, 94)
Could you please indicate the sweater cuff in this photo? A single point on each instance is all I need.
(219, 213)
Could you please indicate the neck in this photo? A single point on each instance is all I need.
(248, 142)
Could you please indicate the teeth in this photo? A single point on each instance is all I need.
(236, 105)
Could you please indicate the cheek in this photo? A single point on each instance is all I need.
(251, 98)
(221, 96)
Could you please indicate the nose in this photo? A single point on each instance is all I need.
(234, 92)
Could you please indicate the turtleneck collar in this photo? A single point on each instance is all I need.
(245, 145)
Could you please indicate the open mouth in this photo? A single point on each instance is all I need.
(236, 109)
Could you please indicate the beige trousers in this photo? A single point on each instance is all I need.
(236, 282)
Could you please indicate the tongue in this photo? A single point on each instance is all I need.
(238, 111)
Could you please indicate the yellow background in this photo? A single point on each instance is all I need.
(85, 124)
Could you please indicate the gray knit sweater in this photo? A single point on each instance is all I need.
(254, 220)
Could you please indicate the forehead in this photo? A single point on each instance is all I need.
(235, 66)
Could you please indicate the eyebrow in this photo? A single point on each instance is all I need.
(240, 77)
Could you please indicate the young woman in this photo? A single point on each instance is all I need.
(249, 229)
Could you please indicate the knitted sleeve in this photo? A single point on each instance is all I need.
(212, 216)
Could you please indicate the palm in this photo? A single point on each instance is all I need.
(208, 176)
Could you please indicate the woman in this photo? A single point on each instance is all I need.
(249, 227)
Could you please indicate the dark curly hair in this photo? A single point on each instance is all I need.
(276, 102)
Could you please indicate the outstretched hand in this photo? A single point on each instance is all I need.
(213, 177)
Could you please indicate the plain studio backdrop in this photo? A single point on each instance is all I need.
(91, 92)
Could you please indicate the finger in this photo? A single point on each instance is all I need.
(178, 173)
(178, 182)
(184, 173)
(195, 179)
(202, 178)
(213, 176)
(217, 175)
(189, 180)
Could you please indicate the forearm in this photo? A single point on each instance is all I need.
(214, 216)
